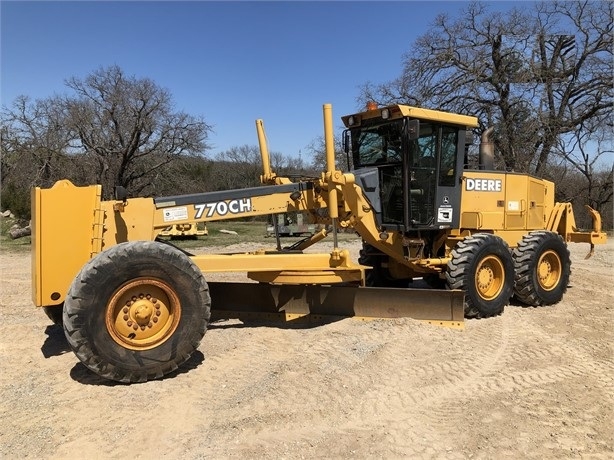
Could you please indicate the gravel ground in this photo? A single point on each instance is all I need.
(531, 383)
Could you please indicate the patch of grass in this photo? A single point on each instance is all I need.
(247, 232)
(9, 244)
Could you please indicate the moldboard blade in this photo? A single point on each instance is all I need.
(317, 302)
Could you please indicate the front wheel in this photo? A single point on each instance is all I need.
(136, 311)
(543, 267)
(482, 266)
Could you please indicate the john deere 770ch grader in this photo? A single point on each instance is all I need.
(134, 308)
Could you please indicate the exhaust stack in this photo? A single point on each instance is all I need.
(486, 156)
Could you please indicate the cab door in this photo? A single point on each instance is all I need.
(433, 193)
(449, 167)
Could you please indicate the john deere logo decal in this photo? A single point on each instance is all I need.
(483, 185)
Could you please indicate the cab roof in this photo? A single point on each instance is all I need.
(399, 111)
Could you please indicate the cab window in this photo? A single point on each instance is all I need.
(378, 144)
(447, 159)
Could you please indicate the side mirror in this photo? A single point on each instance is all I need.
(346, 141)
(413, 129)
(469, 138)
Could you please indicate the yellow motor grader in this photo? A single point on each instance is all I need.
(134, 307)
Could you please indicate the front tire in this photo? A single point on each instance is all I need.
(136, 311)
(543, 266)
(482, 266)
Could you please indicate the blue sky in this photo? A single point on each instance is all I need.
(230, 62)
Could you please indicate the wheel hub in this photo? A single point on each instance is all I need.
(549, 270)
(485, 277)
(142, 311)
(489, 277)
(544, 270)
(142, 314)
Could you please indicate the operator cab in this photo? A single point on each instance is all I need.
(408, 162)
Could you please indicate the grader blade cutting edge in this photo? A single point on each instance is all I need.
(320, 303)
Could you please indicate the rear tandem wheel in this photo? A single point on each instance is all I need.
(136, 311)
(482, 266)
(543, 267)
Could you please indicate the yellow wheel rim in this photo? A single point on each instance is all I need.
(142, 314)
(549, 270)
(489, 277)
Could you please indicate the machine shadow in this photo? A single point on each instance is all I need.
(83, 375)
(55, 344)
(270, 320)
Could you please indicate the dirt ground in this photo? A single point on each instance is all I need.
(531, 383)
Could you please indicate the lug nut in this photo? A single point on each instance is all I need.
(135, 327)
(155, 319)
(150, 325)
(129, 323)
(158, 312)
(126, 310)
(126, 317)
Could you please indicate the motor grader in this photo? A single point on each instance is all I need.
(134, 308)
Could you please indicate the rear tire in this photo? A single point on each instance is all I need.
(543, 267)
(482, 266)
(136, 311)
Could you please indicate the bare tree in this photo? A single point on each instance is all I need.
(33, 139)
(586, 151)
(129, 127)
(241, 166)
(187, 174)
(574, 70)
(112, 130)
(317, 153)
(292, 167)
(238, 167)
(535, 75)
